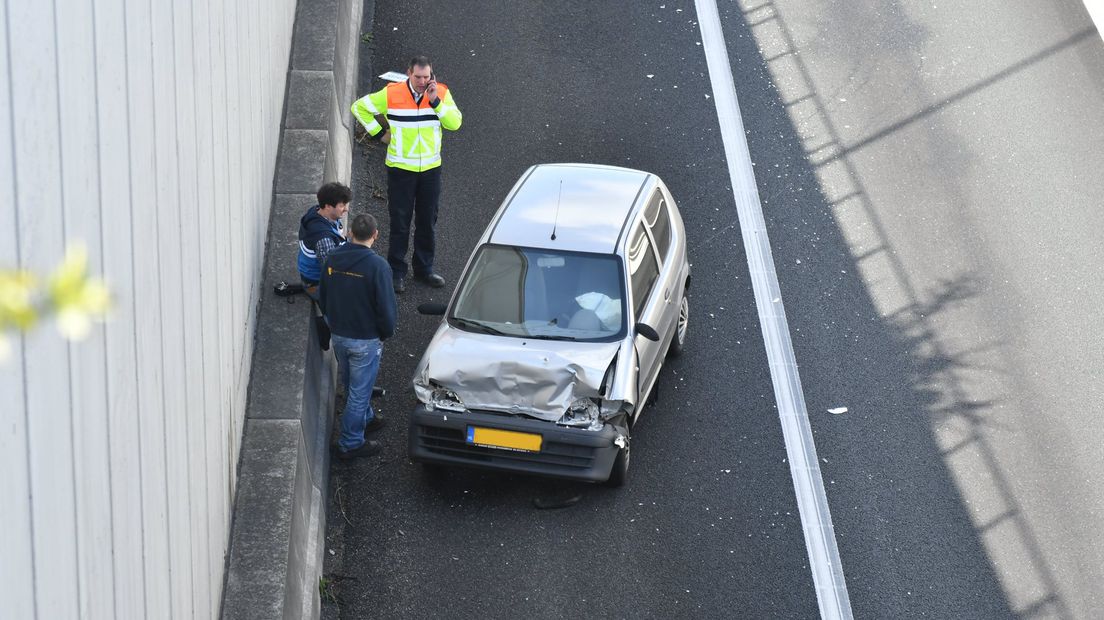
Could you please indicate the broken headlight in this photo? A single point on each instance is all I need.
(583, 412)
(443, 398)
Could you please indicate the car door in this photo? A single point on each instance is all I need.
(647, 304)
(668, 286)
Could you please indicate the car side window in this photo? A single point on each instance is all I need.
(655, 214)
(643, 268)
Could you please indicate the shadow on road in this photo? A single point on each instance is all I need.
(912, 539)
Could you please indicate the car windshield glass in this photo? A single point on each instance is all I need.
(546, 294)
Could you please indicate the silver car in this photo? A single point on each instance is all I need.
(552, 343)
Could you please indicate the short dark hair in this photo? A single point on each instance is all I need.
(333, 194)
(363, 227)
(419, 61)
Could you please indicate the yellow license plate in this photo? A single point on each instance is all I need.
(505, 440)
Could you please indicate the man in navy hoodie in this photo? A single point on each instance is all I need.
(358, 300)
(320, 232)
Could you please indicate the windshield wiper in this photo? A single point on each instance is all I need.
(477, 326)
(551, 337)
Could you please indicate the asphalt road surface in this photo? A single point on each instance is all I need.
(930, 178)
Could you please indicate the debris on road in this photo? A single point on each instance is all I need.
(547, 503)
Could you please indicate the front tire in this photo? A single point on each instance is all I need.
(619, 474)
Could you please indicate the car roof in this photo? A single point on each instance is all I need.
(586, 205)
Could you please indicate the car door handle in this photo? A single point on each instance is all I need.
(667, 295)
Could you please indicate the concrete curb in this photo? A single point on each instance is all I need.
(277, 537)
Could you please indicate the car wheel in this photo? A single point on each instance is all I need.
(620, 471)
(678, 342)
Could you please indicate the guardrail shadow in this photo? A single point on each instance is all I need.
(913, 538)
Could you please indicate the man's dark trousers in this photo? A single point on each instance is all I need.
(412, 195)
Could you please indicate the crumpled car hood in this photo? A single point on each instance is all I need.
(539, 378)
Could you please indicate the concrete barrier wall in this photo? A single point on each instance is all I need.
(278, 535)
(149, 132)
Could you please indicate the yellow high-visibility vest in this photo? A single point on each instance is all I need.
(415, 125)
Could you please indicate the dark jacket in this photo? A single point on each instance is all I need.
(356, 293)
(312, 229)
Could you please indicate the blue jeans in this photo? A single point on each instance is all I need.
(359, 362)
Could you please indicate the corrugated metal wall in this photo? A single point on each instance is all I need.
(148, 130)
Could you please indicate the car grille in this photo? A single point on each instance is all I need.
(554, 457)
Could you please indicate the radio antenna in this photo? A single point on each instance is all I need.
(556, 220)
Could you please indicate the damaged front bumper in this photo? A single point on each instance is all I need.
(445, 437)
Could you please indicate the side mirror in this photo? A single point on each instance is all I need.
(647, 331)
(432, 308)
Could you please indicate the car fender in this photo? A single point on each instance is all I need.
(623, 387)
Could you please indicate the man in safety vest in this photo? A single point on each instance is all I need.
(415, 110)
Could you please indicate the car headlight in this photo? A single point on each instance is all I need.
(443, 398)
(583, 412)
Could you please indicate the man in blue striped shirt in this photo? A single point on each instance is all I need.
(320, 232)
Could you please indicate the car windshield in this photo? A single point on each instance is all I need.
(546, 294)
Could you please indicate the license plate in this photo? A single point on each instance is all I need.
(504, 440)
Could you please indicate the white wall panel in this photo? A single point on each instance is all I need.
(235, 186)
(148, 131)
(16, 569)
(41, 229)
(170, 286)
(221, 230)
(209, 294)
(191, 324)
(113, 164)
(145, 212)
(82, 220)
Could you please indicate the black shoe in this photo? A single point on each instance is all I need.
(431, 279)
(400, 285)
(376, 424)
(368, 449)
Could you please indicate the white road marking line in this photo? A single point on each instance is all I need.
(812, 504)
